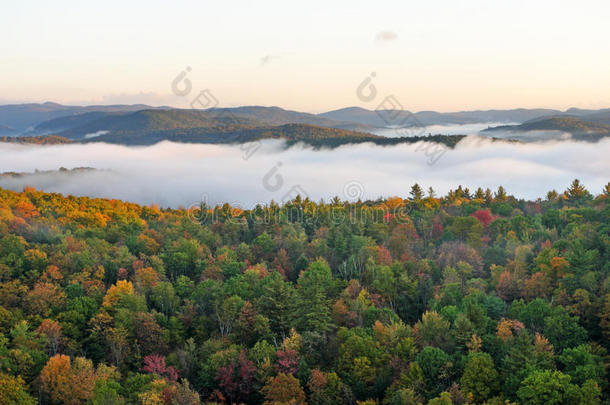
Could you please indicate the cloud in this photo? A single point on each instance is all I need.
(265, 60)
(386, 36)
(95, 134)
(445, 129)
(173, 174)
(478, 130)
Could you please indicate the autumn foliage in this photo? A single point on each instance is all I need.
(475, 297)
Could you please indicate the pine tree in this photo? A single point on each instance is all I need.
(501, 195)
(479, 194)
(488, 196)
(416, 192)
(552, 195)
(576, 190)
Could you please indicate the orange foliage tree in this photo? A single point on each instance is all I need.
(283, 389)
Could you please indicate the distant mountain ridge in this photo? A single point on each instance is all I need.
(24, 116)
(4, 130)
(234, 131)
(280, 116)
(71, 121)
(142, 124)
(375, 117)
(75, 126)
(580, 128)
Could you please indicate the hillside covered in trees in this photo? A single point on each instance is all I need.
(36, 140)
(578, 128)
(475, 297)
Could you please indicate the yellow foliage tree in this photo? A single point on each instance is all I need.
(115, 292)
(72, 382)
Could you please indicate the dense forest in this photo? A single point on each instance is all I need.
(474, 297)
(579, 128)
(36, 140)
(290, 133)
(317, 137)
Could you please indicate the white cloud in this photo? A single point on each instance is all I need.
(173, 174)
(95, 134)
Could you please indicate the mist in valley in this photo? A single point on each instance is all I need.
(180, 175)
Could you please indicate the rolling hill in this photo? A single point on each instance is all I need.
(4, 130)
(38, 140)
(578, 128)
(148, 122)
(373, 118)
(602, 116)
(278, 116)
(60, 124)
(78, 126)
(233, 133)
(23, 117)
(141, 124)
(225, 129)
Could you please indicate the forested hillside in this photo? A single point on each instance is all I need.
(579, 128)
(36, 140)
(474, 297)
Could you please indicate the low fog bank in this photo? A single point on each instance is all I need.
(175, 174)
(529, 136)
(448, 129)
(477, 129)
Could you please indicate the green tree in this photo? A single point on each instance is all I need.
(553, 387)
(582, 365)
(277, 303)
(480, 377)
(313, 293)
(416, 192)
(563, 330)
(436, 366)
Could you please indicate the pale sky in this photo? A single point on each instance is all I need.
(310, 56)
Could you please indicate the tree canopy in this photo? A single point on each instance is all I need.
(472, 297)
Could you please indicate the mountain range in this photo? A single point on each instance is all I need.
(142, 124)
(590, 126)
(22, 117)
(375, 118)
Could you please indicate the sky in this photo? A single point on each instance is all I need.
(309, 56)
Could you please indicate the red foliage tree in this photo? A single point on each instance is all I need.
(155, 364)
(236, 379)
(484, 216)
(287, 361)
(508, 286)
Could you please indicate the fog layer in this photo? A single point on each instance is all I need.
(174, 174)
(448, 129)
